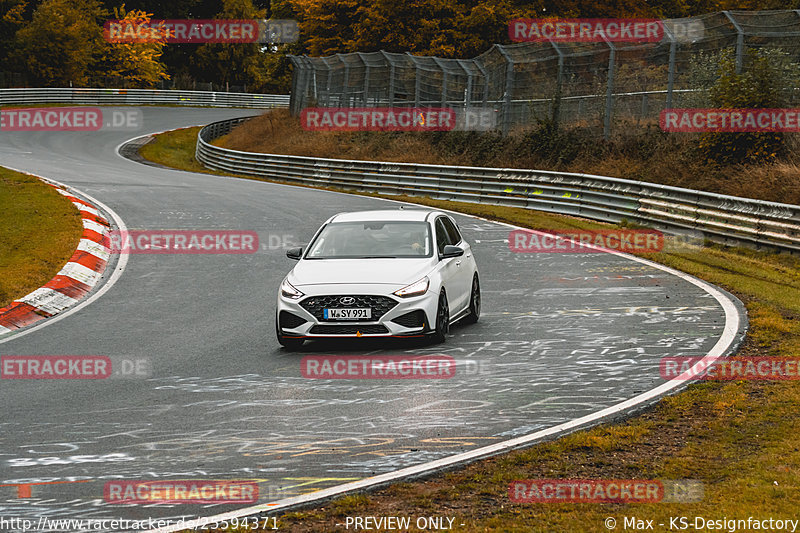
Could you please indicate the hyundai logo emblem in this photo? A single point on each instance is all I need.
(347, 300)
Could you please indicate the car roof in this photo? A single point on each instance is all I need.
(407, 214)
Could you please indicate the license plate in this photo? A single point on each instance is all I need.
(351, 313)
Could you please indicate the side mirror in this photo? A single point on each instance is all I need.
(294, 253)
(452, 251)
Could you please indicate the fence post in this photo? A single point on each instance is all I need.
(509, 89)
(345, 100)
(612, 55)
(391, 77)
(417, 79)
(485, 81)
(366, 79)
(298, 95)
(468, 93)
(671, 70)
(559, 81)
(328, 82)
(739, 41)
(444, 80)
(313, 71)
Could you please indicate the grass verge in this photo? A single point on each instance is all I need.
(174, 149)
(738, 438)
(39, 231)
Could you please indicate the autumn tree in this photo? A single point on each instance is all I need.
(11, 19)
(137, 63)
(62, 42)
(234, 63)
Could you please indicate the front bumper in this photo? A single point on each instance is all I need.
(392, 316)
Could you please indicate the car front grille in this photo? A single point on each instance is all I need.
(414, 319)
(347, 329)
(380, 305)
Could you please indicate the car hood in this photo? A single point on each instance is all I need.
(400, 271)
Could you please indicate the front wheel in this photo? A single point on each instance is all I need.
(442, 319)
(474, 312)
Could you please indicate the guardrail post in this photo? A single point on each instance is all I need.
(739, 42)
(509, 89)
(609, 90)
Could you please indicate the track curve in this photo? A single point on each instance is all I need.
(561, 336)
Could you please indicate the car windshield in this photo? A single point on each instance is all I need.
(372, 239)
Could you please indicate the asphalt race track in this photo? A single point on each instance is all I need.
(561, 336)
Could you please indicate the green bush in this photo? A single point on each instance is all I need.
(766, 81)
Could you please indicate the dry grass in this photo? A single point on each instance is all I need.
(648, 155)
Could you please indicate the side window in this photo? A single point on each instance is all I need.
(442, 239)
(452, 230)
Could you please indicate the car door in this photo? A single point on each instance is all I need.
(463, 272)
(447, 267)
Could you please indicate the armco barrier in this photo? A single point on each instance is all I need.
(726, 219)
(140, 97)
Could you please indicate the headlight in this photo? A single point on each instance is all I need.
(415, 289)
(289, 291)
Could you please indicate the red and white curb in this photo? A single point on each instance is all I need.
(74, 281)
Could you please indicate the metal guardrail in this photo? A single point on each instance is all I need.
(83, 96)
(725, 219)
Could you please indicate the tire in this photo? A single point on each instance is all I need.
(290, 343)
(474, 312)
(442, 327)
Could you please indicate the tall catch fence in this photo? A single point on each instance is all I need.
(600, 85)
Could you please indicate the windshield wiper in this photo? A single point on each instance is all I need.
(378, 257)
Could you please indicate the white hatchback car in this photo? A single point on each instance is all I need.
(389, 273)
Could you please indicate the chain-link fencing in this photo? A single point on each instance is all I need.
(600, 85)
